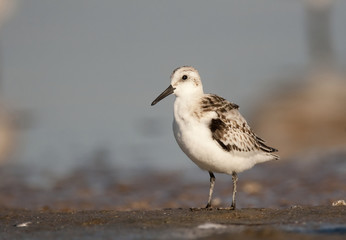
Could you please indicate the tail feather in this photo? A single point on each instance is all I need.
(266, 148)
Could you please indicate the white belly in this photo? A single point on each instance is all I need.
(195, 139)
(196, 142)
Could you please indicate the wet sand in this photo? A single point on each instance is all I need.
(279, 200)
(303, 222)
(312, 181)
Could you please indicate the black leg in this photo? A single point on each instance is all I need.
(234, 179)
(211, 189)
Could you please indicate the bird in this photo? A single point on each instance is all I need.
(211, 131)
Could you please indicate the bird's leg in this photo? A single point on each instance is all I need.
(211, 189)
(234, 179)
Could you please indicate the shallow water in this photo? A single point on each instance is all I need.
(313, 180)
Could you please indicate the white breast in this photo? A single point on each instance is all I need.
(195, 139)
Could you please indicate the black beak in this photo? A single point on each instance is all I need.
(165, 93)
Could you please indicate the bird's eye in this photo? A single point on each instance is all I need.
(184, 77)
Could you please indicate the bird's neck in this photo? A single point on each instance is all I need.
(185, 105)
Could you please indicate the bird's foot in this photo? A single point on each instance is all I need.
(207, 208)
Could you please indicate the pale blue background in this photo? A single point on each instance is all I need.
(86, 71)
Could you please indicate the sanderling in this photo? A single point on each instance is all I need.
(211, 131)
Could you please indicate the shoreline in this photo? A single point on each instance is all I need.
(320, 222)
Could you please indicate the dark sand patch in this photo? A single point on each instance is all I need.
(305, 222)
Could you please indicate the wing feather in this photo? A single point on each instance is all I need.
(230, 130)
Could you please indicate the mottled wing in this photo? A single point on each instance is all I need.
(229, 129)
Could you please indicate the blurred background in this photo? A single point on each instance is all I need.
(77, 79)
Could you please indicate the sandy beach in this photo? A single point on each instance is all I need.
(303, 222)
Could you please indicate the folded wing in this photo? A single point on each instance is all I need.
(230, 130)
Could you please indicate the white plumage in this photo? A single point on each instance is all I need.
(211, 131)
